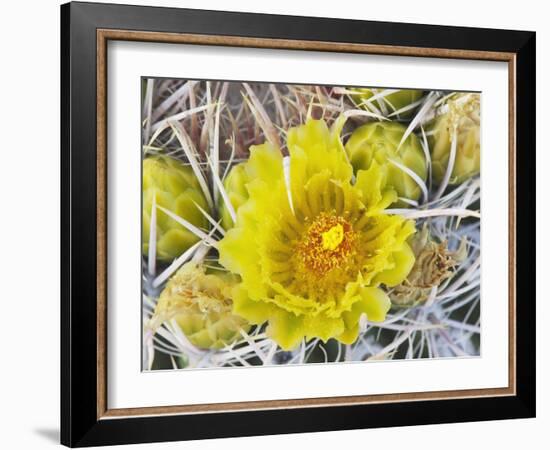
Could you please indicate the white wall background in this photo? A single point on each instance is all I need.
(29, 223)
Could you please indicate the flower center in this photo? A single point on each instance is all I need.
(333, 237)
(326, 245)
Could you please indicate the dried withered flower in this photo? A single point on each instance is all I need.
(434, 264)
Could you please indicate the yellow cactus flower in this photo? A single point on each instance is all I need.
(175, 188)
(201, 305)
(380, 141)
(312, 244)
(462, 119)
(400, 100)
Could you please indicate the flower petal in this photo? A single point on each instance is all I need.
(403, 263)
(256, 312)
(321, 150)
(286, 329)
(375, 303)
(372, 183)
(265, 163)
(323, 327)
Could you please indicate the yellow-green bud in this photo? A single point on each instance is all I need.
(389, 103)
(175, 188)
(235, 186)
(201, 305)
(379, 141)
(461, 113)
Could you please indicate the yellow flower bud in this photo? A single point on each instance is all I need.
(461, 118)
(379, 141)
(390, 103)
(175, 188)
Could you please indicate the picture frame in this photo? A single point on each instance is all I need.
(86, 30)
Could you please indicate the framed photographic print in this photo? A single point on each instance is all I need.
(276, 224)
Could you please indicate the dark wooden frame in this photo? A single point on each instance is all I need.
(85, 417)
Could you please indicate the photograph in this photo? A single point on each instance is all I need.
(291, 224)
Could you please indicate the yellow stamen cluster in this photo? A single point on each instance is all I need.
(327, 244)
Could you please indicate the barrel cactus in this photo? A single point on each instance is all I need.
(200, 303)
(460, 118)
(175, 188)
(235, 186)
(390, 103)
(379, 141)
